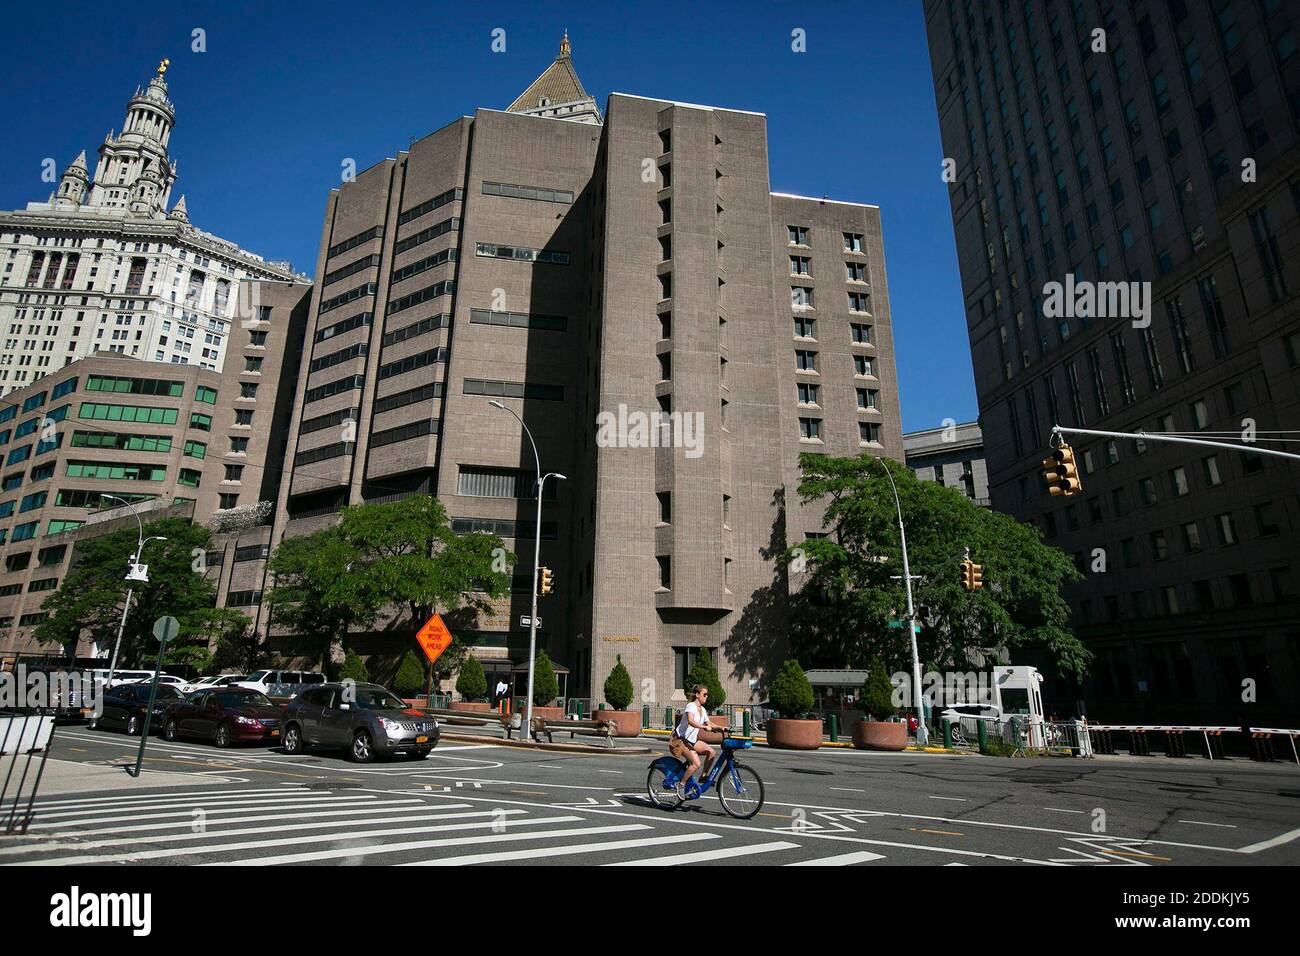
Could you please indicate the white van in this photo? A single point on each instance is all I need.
(277, 683)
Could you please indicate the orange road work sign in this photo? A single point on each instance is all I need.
(434, 638)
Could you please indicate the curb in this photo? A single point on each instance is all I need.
(558, 748)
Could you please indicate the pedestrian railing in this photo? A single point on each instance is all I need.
(23, 736)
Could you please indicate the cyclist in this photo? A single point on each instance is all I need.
(685, 742)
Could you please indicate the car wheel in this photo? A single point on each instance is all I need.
(222, 736)
(363, 748)
(132, 725)
(292, 740)
(169, 730)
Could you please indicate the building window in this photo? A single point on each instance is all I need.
(665, 507)
(810, 428)
(852, 242)
(798, 235)
(805, 360)
(665, 572)
(1226, 528)
(869, 432)
(808, 393)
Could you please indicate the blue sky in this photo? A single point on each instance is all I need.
(286, 91)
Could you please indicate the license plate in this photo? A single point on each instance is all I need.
(275, 733)
(421, 740)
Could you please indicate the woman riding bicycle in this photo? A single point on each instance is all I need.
(685, 742)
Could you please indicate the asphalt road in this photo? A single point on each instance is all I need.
(472, 804)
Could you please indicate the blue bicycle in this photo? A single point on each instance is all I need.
(740, 789)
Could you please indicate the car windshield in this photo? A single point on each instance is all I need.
(168, 692)
(232, 699)
(376, 698)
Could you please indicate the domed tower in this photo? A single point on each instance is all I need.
(141, 145)
(72, 187)
(145, 192)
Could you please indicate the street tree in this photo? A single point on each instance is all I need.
(88, 602)
(399, 561)
(852, 587)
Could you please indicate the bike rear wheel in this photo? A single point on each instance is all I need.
(741, 791)
(661, 793)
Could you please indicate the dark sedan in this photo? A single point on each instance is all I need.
(124, 706)
(224, 716)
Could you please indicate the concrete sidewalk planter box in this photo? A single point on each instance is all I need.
(472, 706)
(547, 713)
(717, 720)
(627, 723)
(786, 734)
(880, 735)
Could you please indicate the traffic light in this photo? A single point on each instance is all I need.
(1061, 473)
(976, 577)
(544, 585)
(967, 575)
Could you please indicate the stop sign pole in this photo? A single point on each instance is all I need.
(165, 629)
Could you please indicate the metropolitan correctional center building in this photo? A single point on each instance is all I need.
(580, 267)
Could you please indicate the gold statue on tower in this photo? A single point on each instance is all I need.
(162, 66)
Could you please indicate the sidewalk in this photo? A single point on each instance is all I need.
(71, 776)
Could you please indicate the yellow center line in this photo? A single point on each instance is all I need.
(77, 750)
(783, 816)
(939, 832)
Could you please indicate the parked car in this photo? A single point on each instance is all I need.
(121, 676)
(224, 715)
(124, 706)
(216, 680)
(968, 717)
(168, 680)
(367, 722)
(271, 682)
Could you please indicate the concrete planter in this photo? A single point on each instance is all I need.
(787, 734)
(472, 706)
(714, 738)
(627, 723)
(880, 735)
(547, 713)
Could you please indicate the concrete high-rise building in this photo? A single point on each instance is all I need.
(595, 273)
(1155, 145)
(951, 455)
(109, 264)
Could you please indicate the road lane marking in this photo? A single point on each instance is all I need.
(224, 794)
(1202, 823)
(293, 858)
(706, 855)
(1137, 853)
(1062, 810)
(847, 790)
(957, 799)
(846, 859)
(939, 832)
(1278, 840)
(533, 853)
(87, 815)
(531, 793)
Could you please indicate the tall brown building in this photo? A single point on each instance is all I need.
(1153, 143)
(592, 273)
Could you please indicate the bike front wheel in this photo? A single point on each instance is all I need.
(662, 794)
(741, 791)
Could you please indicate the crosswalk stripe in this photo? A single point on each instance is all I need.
(293, 858)
(289, 841)
(69, 817)
(705, 855)
(533, 853)
(222, 834)
(844, 859)
(227, 794)
(386, 806)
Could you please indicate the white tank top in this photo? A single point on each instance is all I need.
(684, 729)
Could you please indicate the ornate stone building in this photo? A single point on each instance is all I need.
(109, 264)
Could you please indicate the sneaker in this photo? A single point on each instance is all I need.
(681, 790)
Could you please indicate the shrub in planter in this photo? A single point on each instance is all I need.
(409, 680)
(878, 692)
(792, 698)
(471, 684)
(618, 694)
(545, 686)
(703, 672)
(354, 668)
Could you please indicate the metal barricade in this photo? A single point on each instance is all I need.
(579, 707)
(22, 735)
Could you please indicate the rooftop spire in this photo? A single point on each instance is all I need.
(565, 48)
(558, 93)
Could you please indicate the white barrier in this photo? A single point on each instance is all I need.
(25, 734)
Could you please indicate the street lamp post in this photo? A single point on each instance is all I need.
(141, 541)
(922, 732)
(537, 558)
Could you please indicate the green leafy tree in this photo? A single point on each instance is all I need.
(239, 649)
(703, 672)
(410, 676)
(545, 685)
(89, 601)
(382, 558)
(791, 694)
(878, 692)
(618, 686)
(450, 660)
(354, 668)
(842, 614)
(471, 684)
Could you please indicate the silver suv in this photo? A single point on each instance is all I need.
(364, 719)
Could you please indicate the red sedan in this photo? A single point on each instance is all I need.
(224, 716)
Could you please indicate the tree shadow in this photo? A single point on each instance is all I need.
(760, 639)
